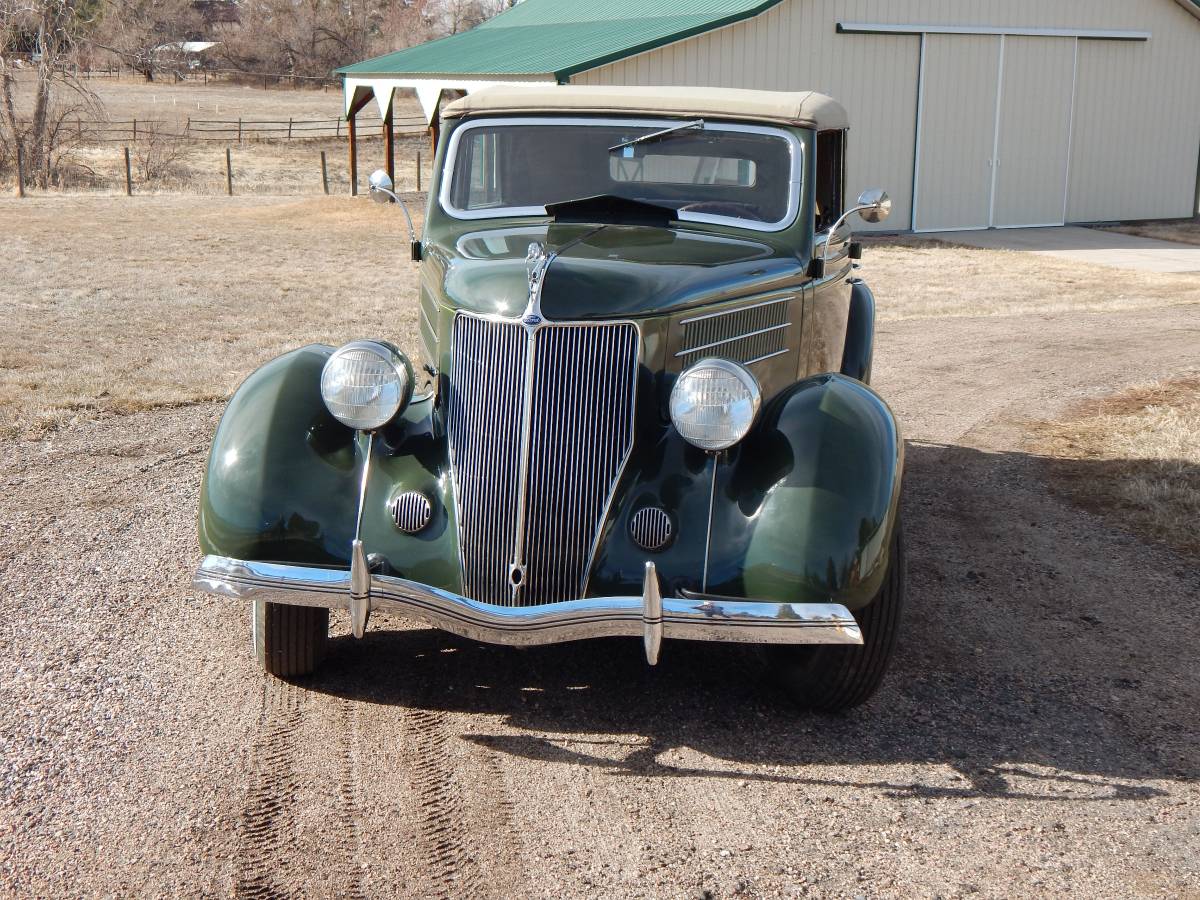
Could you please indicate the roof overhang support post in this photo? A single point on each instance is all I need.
(389, 144)
(357, 102)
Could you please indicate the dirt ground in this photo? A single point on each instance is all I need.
(1035, 736)
(1146, 440)
(1185, 232)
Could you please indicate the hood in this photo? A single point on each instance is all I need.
(610, 271)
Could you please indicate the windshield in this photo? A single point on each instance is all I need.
(741, 174)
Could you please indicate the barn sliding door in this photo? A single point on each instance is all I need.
(957, 129)
(1035, 131)
(994, 131)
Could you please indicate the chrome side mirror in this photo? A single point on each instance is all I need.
(874, 205)
(381, 186)
(382, 192)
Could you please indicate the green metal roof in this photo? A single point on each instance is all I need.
(561, 37)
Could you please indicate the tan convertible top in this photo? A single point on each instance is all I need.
(805, 108)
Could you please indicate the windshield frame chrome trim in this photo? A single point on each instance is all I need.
(795, 183)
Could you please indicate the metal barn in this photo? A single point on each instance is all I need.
(971, 114)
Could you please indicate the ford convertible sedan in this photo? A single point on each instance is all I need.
(640, 407)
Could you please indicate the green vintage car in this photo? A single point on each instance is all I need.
(642, 407)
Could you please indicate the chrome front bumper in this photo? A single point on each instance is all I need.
(650, 616)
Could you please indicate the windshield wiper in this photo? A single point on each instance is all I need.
(657, 135)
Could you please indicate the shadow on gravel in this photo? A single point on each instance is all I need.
(1043, 656)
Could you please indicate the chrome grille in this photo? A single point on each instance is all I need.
(484, 424)
(581, 396)
(746, 335)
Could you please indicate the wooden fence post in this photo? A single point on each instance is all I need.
(128, 176)
(239, 131)
(324, 174)
(418, 170)
(289, 128)
(228, 172)
(20, 171)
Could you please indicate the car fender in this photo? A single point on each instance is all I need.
(283, 479)
(801, 511)
(860, 333)
(807, 508)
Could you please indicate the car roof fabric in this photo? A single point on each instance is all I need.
(804, 108)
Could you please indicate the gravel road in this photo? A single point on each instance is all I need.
(1037, 734)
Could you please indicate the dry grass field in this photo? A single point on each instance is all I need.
(128, 98)
(290, 167)
(188, 296)
(967, 281)
(261, 168)
(191, 293)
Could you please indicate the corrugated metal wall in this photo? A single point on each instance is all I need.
(1136, 131)
(958, 125)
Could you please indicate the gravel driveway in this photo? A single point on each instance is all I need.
(1037, 734)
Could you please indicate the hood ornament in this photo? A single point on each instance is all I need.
(537, 261)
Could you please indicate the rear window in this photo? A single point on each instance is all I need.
(659, 168)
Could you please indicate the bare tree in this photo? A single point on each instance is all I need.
(47, 32)
(298, 37)
(404, 24)
(313, 37)
(454, 16)
(146, 34)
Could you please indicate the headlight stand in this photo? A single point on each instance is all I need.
(360, 574)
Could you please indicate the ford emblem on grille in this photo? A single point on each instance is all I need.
(532, 320)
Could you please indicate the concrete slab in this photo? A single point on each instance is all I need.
(1089, 245)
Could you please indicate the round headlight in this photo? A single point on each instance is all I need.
(714, 402)
(365, 383)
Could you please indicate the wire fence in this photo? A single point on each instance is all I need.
(130, 131)
(209, 74)
(136, 170)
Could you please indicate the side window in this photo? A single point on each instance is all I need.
(831, 176)
(484, 188)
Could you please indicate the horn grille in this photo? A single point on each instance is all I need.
(651, 528)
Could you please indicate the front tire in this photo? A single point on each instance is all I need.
(831, 678)
(289, 641)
